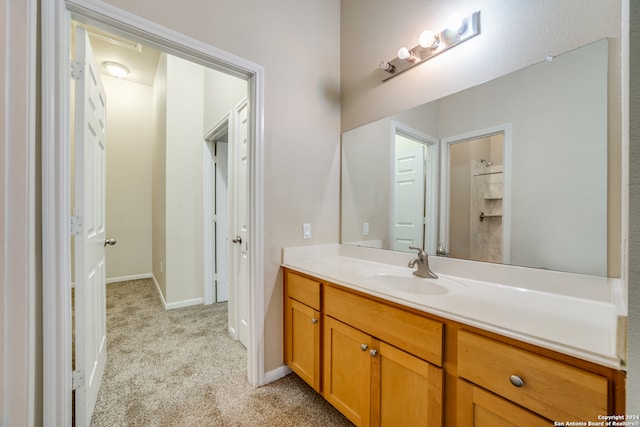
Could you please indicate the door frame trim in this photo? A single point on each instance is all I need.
(208, 205)
(55, 38)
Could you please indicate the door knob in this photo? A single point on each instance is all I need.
(237, 239)
(110, 242)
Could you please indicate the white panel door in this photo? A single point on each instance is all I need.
(89, 212)
(242, 224)
(408, 219)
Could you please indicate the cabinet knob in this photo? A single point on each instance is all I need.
(364, 347)
(516, 380)
(314, 320)
(373, 352)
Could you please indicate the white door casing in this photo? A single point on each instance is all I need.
(89, 228)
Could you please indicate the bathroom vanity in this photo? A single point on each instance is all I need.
(387, 348)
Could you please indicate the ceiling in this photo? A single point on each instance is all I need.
(142, 61)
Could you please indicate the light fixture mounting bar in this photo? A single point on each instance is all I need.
(446, 39)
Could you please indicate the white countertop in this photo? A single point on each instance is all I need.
(573, 314)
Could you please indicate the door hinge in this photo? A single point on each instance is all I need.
(76, 225)
(77, 70)
(215, 218)
(77, 379)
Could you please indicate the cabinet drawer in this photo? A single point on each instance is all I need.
(303, 289)
(550, 388)
(415, 334)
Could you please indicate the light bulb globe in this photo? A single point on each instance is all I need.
(427, 39)
(403, 53)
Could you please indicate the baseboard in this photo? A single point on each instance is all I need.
(177, 304)
(130, 277)
(184, 303)
(276, 374)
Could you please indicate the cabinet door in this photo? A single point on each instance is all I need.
(408, 391)
(302, 341)
(347, 370)
(478, 407)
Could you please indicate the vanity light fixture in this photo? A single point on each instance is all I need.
(431, 44)
(116, 69)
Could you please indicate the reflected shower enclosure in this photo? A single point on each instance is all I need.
(476, 198)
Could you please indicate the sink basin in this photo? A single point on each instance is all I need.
(409, 284)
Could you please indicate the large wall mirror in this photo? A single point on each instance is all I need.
(511, 171)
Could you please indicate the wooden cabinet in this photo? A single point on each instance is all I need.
(347, 370)
(480, 408)
(384, 364)
(408, 392)
(371, 381)
(302, 327)
(549, 388)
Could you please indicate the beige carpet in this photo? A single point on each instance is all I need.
(180, 368)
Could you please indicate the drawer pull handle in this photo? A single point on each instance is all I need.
(364, 347)
(314, 320)
(516, 380)
(373, 352)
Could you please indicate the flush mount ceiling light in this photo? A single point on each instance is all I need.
(115, 69)
(431, 44)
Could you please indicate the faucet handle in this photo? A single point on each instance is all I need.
(421, 253)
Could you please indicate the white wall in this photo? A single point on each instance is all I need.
(129, 143)
(183, 267)
(222, 93)
(366, 180)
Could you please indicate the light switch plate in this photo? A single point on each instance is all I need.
(306, 231)
(365, 228)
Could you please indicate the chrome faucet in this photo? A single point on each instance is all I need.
(423, 264)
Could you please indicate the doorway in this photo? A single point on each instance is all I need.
(476, 196)
(225, 207)
(414, 170)
(56, 18)
(153, 168)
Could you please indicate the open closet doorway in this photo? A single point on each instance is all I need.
(57, 18)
